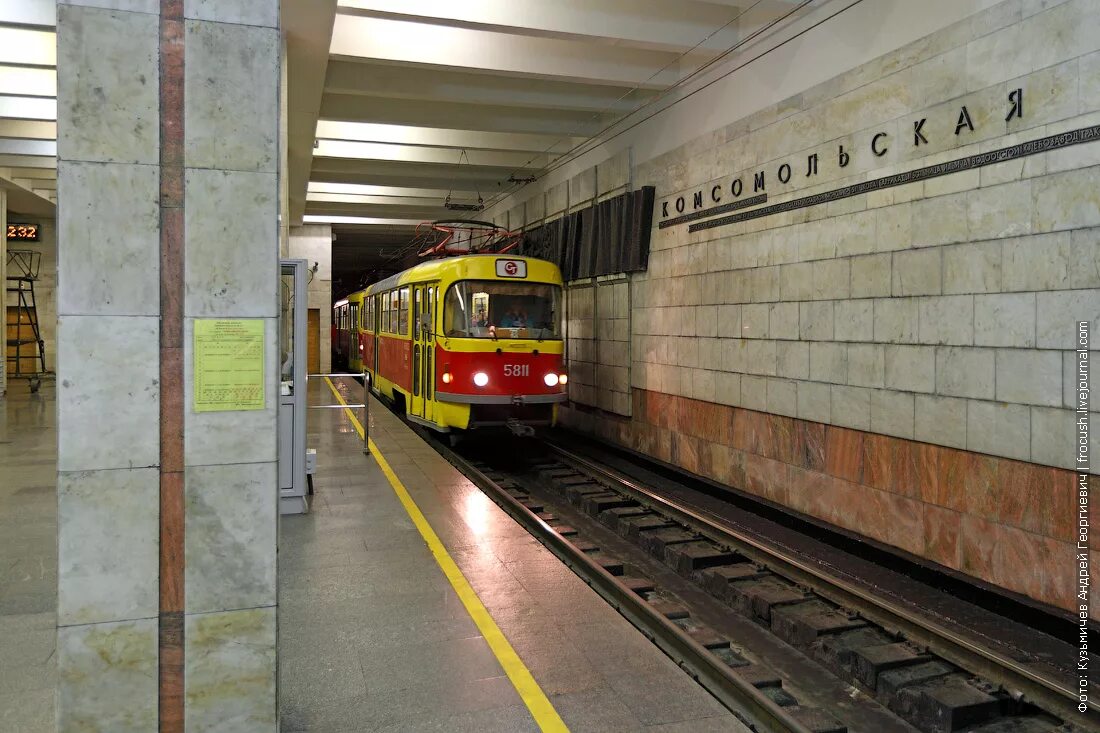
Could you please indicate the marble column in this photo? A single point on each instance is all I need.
(168, 175)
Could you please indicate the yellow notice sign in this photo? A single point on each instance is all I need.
(229, 365)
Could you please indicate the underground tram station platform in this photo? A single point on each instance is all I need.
(548, 365)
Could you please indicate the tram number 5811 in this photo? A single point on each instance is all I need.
(517, 370)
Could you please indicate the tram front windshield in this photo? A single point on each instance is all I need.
(494, 309)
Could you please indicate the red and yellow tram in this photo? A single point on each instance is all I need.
(462, 342)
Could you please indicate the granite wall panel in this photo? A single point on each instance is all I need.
(927, 500)
(935, 318)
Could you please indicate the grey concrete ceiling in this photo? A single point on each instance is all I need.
(28, 105)
(425, 99)
(395, 105)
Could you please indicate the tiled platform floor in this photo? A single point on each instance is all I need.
(28, 558)
(373, 638)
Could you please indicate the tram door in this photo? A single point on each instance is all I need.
(376, 327)
(423, 351)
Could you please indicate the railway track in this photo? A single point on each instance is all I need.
(778, 640)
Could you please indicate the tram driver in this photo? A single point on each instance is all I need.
(514, 316)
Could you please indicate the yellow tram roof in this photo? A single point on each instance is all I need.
(466, 267)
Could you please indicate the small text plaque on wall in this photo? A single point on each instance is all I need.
(229, 365)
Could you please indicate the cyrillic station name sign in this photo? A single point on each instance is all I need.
(717, 200)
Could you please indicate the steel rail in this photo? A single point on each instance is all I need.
(955, 648)
(737, 695)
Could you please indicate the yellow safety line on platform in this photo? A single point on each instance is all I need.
(532, 695)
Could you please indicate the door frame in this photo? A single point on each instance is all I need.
(424, 302)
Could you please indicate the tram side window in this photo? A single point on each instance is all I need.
(403, 312)
(389, 311)
(353, 316)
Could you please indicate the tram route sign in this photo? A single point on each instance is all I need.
(229, 365)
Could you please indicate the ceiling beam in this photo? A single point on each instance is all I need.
(27, 81)
(307, 27)
(465, 116)
(414, 201)
(36, 184)
(546, 58)
(28, 108)
(29, 12)
(423, 154)
(646, 24)
(31, 129)
(355, 189)
(405, 225)
(27, 161)
(442, 137)
(403, 178)
(35, 173)
(24, 201)
(440, 175)
(392, 81)
(419, 213)
(27, 47)
(17, 146)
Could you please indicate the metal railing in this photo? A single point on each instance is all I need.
(365, 404)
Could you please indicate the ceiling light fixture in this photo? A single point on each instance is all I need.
(456, 206)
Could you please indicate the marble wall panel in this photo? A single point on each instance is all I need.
(614, 172)
(940, 420)
(1057, 314)
(1068, 200)
(946, 320)
(215, 438)
(814, 401)
(231, 120)
(1029, 377)
(1043, 262)
(582, 187)
(108, 97)
(963, 372)
(1005, 320)
(1085, 257)
(107, 677)
(972, 268)
(247, 12)
(108, 392)
(230, 671)
(232, 244)
(231, 516)
(110, 261)
(108, 541)
(851, 407)
(999, 429)
(135, 6)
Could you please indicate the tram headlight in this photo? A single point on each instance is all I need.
(563, 379)
(550, 379)
(447, 377)
(481, 379)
